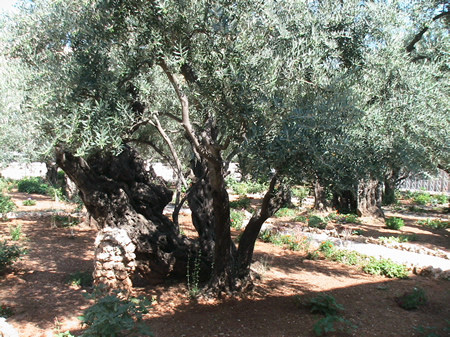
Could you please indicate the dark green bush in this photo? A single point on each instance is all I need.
(6, 205)
(422, 198)
(394, 223)
(317, 221)
(241, 203)
(9, 254)
(411, 300)
(32, 185)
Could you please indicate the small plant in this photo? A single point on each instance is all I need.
(9, 254)
(29, 202)
(265, 235)
(317, 222)
(434, 223)
(6, 205)
(327, 248)
(324, 304)
(81, 279)
(348, 218)
(427, 331)
(6, 311)
(300, 218)
(411, 300)
(193, 276)
(422, 198)
(15, 232)
(237, 219)
(440, 199)
(357, 232)
(115, 315)
(394, 223)
(398, 239)
(331, 324)
(32, 185)
(241, 203)
(385, 267)
(285, 213)
(300, 193)
(64, 221)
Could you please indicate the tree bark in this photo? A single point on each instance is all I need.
(273, 200)
(321, 202)
(369, 198)
(119, 194)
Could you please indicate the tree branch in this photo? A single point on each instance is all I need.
(419, 35)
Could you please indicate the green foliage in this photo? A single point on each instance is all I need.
(56, 193)
(317, 222)
(422, 198)
(412, 299)
(63, 334)
(193, 275)
(32, 185)
(385, 267)
(6, 184)
(289, 241)
(300, 193)
(6, 311)
(9, 254)
(237, 218)
(434, 223)
(324, 304)
(285, 213)
(300, 218)
(64, 221)
(244, 188)
(427, 331)
(6, 205)
(394, 223)
(81, 279)
(29, 202)
(398, 239)
(15, 232)
(115, 315)
(440, 199)
(327, 248)
(331, 324)
(241, 203)
(348, 218)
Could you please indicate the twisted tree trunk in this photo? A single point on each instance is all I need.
(123, 199)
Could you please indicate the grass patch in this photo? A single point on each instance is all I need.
(81, 279)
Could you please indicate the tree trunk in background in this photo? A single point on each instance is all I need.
(321, 202)
(52, 173)
(127, 205)
(369, 198)
(344, 201)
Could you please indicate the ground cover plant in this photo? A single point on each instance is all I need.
(395, 223)
(412, 299)
(9, 254)
(6, 205)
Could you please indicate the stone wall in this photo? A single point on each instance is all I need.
(114, 258)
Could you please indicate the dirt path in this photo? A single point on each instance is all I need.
(39, 295)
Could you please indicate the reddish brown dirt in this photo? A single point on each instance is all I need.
(37, 289)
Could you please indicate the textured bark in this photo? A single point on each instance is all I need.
(321, 202)
(345, 201)
(119, 193)
(201, 205)
(369, 198)
(273, 200)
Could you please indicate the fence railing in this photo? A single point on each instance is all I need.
(438, 184)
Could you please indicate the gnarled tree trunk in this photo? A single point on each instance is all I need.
(369, 198)
(146, 247)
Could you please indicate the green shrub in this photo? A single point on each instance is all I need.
(56, 193)
(6, 311)
(285, 213)
(9, 254)
(81, 279)
(265, 235)
(317, 222)
(422, 198)
(241, 203)
(327, 248)
(412, 299)
(237, 218)
(29, 202)
(434, 223)
(324, 304)
(333, 323)
(348, 218)
(385, 267)
(300, 218)
(440, 199)
(32, 185)
(394, 223)
(254, 187)
(300, 193)
(114, 315)
(6, 205)
(398, 239)
(15, 232)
